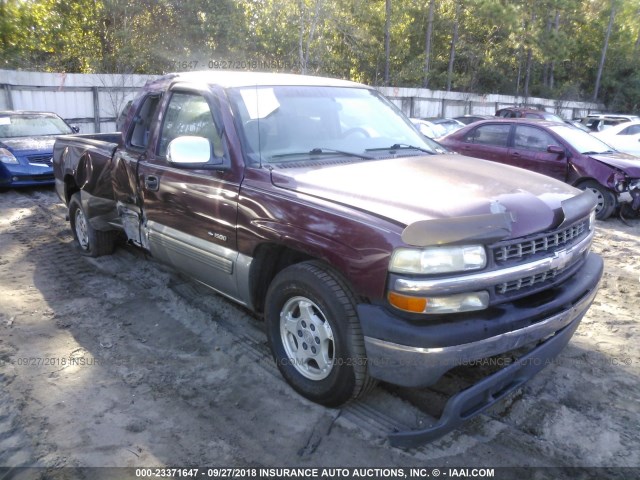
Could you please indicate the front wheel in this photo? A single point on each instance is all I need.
(606, 199)
(314, 334)
(92, 242)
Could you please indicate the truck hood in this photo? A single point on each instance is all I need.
(410, 189)
(629, 164)
(24, 144)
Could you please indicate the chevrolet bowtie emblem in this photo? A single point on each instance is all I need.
(561, 259)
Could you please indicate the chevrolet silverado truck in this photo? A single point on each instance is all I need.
(370, 251)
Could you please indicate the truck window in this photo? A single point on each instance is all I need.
(142, 122)
(189, 114)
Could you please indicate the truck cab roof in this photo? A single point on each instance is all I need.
(234, 79)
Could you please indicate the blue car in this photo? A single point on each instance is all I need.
(26, 147)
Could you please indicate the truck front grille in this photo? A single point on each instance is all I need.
(545, 243)
(526, 282)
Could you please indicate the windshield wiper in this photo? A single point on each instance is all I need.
(324, 151)
(401, 146)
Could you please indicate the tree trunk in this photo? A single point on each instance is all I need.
(547, 64)
(302, 8)
(387, 40)
(519, 77)
(604, 51)
(527, 73)
(452, 51)
(427, 45)
(304, 47)
(636, 47)
(556, 28)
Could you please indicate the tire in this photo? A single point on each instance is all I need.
(606, 199)
(315, 336)
(92, 242)
(626, 212)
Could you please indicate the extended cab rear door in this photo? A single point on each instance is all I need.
(190, 210)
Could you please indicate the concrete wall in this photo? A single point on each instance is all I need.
(423, 103)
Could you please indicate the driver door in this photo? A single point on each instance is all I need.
(190, 210)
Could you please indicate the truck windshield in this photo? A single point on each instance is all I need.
(281, 123)
(32, 125)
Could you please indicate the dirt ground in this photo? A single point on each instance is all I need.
(119, 361)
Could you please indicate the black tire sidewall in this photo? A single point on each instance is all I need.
(75, 205)
(339, 386)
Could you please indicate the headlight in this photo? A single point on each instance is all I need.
(7, 157)
(592, 220)
(463, 302)
(438, 259)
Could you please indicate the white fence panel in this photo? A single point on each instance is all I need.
(76, 97)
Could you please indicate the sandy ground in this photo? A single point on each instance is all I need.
(119, 361)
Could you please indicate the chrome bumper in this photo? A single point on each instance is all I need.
(418, 367)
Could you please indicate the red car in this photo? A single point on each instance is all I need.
(559, 151)
(516, 112)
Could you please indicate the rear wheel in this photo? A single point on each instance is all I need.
(314, 334)
(606, 199)
(92, 242)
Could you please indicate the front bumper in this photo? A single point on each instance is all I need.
(417, 353)
(12, 175)
(477, 398)
(414, 354)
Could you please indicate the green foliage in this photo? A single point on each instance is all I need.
(548, 48)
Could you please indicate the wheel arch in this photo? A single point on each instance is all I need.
(269, 259)
(70, 187)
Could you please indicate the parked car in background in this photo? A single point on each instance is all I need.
(449, 124)
(578, 124)
(559, 151)
(428, 128)
(467, 119)
(517, 112)
(26, 147)
(624, 137)
(597, 122)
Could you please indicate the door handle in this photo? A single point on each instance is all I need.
(152, 183)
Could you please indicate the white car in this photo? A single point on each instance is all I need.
(624, 137)
(429, 129)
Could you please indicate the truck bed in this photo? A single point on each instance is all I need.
(86, 158)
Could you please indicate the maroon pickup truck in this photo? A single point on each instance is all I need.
(371, 253)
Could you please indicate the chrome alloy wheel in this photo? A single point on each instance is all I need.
(82, 230)
(307, 338)
(601, 200)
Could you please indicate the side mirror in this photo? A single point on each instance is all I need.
(75, 129)
(189, 151)
(556, 149)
